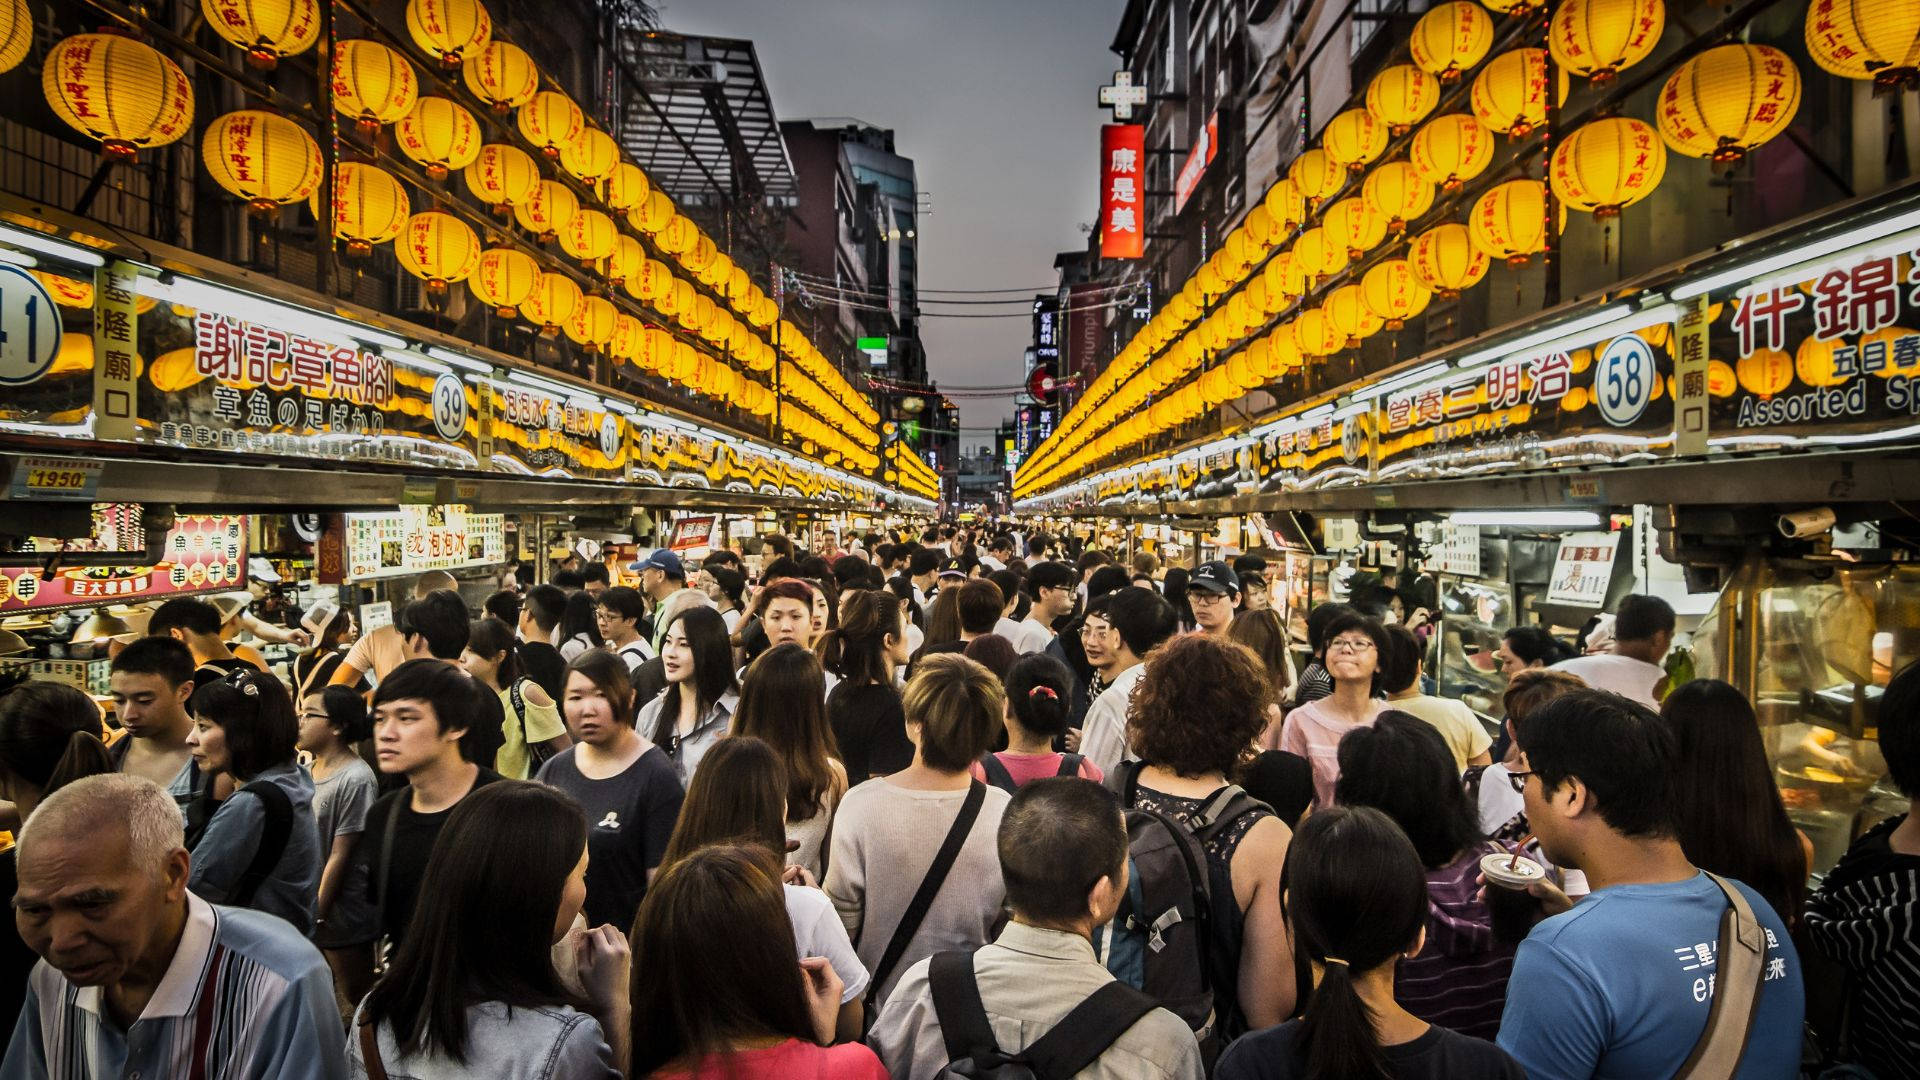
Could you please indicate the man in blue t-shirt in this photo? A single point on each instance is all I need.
(1620, 986)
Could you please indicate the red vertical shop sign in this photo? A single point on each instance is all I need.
(1122, 222)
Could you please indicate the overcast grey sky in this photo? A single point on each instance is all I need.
(994, 100)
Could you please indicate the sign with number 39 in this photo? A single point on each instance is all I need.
(29, 327)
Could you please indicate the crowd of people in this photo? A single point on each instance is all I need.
(939, 805)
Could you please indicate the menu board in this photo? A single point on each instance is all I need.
(415, 539)
(1583, 568)
(204, 553)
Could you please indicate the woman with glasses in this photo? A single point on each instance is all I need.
(1353, 647)
(345, 924)
(261, 848)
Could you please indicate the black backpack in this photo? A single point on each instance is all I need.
(999, 777)
(1176, 936)
(1076, 1042)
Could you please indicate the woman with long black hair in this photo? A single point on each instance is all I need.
(472, 991)
(1356, 898)
(696, 709)
(864, 708)
(579, 628)
(783, 703)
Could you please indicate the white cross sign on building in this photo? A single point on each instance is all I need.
(1123, 96)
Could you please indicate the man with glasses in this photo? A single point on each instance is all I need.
(1051, 586)
(1213, 592)
(621, 616)
(1121, 628)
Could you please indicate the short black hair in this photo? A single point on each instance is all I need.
(1639, 618)
(1058, 837)
(347, 713)
(162, 656)
(848, 569)
(568, 579)
(1002, 542)
(503, 605)
(453, 693)
(1900, 729)
(979, 604)
(1400, 660)
(1010, 583)
(1623, 752)
(256, 717)
(1317, 621)
(783, 566)
(595, 571)
(442, 618)
(1535, 644)
(721, 557)
(187, 613)
(1141, 617)
(545, 604)
(923, 561)
(625, 602)
(1245, 564)
(1105, 579)
(1353, 619)
(1049, 575)
(1401, 766)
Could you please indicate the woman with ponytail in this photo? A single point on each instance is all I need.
(1355, 894)
(864, 709)
(49, 737)
(1038, 690)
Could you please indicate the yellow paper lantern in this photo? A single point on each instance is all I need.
(591, 156)
(502, 75)
(628, 332)
(1283, 349)
(1597, 38)
(1288, 207)
(592, 322)
(175, 371)
(120, 92)
(551, 122)
(551, 301)
(701, 255)
(1510, 95)
(1606, 165)
(650, 282)
(1316, 335)
(1319, 255)
(1451, 38)
(452, 30)
(589, 235)
(1866, 39)
(1354, 222)
(656, 349)
(262, 157)
(624, 261)
(1765, 372)
(372, 84)
(1815, 363)
(1392, 291)
(685, 299)
(1402, 96)
(1354, 139)
(1510, 221)
(368, 206)
(1728, 100)
(439, 134)
(437, 248)
(267, 29)
(549, 208)
(66, 291)
(1445, 260)
(1721, 381)
(1286, 280)
(624, 187)
(1316, 175)
(502, 176)
(503, 279)
(1511, 7)
(1450, 150)
(1398, 193)
(679, 236)
(653, 214)
(718, 273)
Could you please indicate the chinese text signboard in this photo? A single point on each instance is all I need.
(1583, 568)
(204, 553)
(1122, 190)
(414, 539)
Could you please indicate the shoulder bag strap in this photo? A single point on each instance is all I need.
(1739, 967)
(997, 773)
(273, 840)
(1082, 1035)
(929, 888)
(370, 1051)
(520, 712)
(964, 1026)
(1069, 765)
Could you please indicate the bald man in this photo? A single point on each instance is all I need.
(382, 650)
(138, 976)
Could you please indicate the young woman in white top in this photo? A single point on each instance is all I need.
(696, 709)
(783, 704)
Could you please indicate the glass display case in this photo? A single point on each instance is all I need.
(1813, 645)
(1474, 612)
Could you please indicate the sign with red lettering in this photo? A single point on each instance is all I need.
(1201, 156)
(1122, 190)
(414, 539)
(203, 554)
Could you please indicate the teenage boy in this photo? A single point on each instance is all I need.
(1213, 592)
(923, 567)
(1863, 916)
(1063, 854)
(1642, 633)
(980, 605)
(435, 627)
(1051, 586)
(1621, 985)
(196, 624)
(1121, 628)
(152, 683)
(622, 617)
(596, 580)
(381, 650)
(421, 713)
(539, 616)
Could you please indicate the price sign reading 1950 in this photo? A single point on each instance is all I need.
(54, 478)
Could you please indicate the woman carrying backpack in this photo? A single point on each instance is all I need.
(1038, 692)
(1195, 714)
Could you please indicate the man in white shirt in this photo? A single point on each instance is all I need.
(621, 614)
(1642, 634)
(1051, 586)
(1121, 628)
(999, 550)
(922, 566)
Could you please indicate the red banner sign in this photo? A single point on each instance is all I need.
(1196, 164)
(204, 554)
(1122, 190)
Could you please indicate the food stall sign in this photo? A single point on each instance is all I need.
(204, 553)
(691, 533)
(1457, 551)
(1583, 568)
(30, 330)
(116, 340)
(415, 539)
(66, 479)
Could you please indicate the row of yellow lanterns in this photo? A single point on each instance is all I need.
(272, 161)
(1718, 105)
(905, 468)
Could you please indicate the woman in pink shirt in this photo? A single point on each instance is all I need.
(1038, 688)
(723, 996)
(1314, 730)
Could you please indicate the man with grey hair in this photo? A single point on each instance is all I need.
(139, 977)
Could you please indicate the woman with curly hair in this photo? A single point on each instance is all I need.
(1194, 716)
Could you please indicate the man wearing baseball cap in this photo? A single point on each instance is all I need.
(1213, 591)
(661, 576)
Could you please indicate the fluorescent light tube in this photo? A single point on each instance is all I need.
(47, 245)
(1808, 254)
(1542, 519)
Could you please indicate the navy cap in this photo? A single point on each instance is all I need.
(1214, 577)
(663, 560)
(953, 568)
